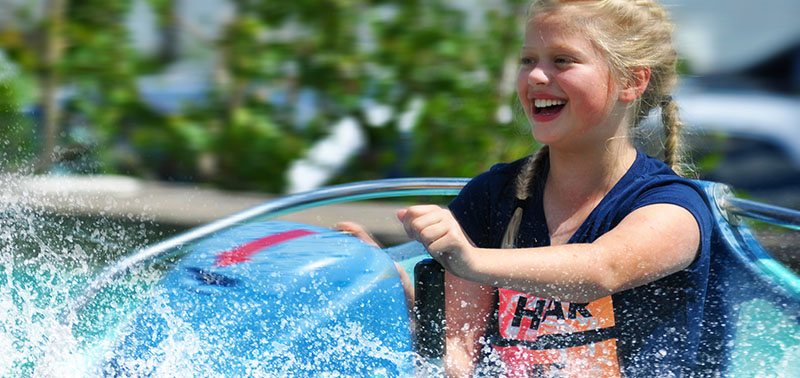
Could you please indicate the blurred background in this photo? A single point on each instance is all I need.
(123, 122)
(286, 96)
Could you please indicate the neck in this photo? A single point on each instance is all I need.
(589, 173)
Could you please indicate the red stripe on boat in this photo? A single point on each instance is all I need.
(243, 252)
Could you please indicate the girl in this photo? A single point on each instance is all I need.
(610, 255)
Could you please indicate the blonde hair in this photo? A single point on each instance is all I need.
(631, 34)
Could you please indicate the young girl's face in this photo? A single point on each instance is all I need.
(565, 84)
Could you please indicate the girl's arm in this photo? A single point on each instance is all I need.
(468, 307)
(650, 243)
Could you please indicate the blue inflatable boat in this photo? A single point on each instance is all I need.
(247, 296)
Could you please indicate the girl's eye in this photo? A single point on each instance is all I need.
(526, 61)
(563, 60)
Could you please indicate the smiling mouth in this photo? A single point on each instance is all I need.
(547, 106)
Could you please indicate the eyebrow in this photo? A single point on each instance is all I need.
(559, 47)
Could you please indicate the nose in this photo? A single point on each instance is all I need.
(538, 76)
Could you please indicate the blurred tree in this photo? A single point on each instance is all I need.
(25, 40)
(16, 127)
(444, 81)
(87, 99)
(409, 56)
(236, 138)
(464, 75)
(101, 68)
(168, 23)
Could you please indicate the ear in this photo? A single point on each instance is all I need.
(635, 88)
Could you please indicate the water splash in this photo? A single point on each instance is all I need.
(48, 258)
(45, 259)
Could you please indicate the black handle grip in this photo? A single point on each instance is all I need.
(429, 308)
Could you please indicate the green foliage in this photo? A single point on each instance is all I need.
(431, 53)
(16, 130)
(402, 54)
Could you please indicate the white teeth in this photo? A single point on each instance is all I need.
(543, 103)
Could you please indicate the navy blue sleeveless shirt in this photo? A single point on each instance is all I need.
(648, 331)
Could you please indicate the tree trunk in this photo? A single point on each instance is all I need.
(52, 52)
(169, 49)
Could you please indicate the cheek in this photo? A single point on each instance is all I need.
(522, 90)
(590, 96)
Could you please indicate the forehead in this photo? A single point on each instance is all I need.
(561, 27)
(555, 24)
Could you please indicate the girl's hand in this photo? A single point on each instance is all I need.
(442, 236)
(358, 231)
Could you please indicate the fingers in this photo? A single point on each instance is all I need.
(358, 231)
(401, 214)
(417, 211)
(417, 218)
(433, 233)
(439, 231)
(430, 224)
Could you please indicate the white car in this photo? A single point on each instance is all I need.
(747, 139)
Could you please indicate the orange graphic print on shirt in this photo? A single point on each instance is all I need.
(532, 320)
